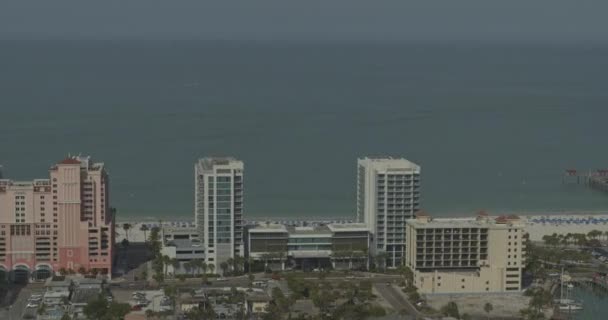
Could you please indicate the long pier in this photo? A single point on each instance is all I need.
(597, 180)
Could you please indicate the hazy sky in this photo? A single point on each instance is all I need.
(530, 20)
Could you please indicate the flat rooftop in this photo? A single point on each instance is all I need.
(185, 243)
(389, 163)
(269, 228)
(457, 223)
(347, 227)
(208, 163)
(316, 230)
(309, 230)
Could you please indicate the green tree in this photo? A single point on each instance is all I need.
(231, 265)
(450, 310)
(171, 293)
(166, 263)
(380, 260)
(175, 264)
(488, 307)
(204, 267)
(408, 275)
(198, 264)
(211, 267)
(118, 311)
(531, 314)
(188, 266)
(96, 309)
(144, 228)
(251, 277)
(126, 227)
(41, 310)
(224, 267)
(594, 234)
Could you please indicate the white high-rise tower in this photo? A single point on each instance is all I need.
(388, 193)
(219, 208)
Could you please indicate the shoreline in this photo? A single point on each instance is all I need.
(537, 224)
(180, 218)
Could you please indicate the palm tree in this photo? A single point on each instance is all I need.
(197, 263)
(211, 267)
(126, 227)
(144, 228)
(175, 264)
(230, 263)
(188, 266)
(381, 260)
(224, 267)
(166, 260)
(488, 308)
(205, 267)
(250, 263)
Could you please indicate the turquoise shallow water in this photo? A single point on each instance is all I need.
(492, 126)
(595, 305)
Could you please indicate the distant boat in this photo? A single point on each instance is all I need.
(573, 306)
(565, 303)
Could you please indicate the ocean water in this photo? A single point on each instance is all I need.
(493, 126)
(595, 305)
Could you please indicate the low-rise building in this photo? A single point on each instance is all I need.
(257, 302)
(339, 246)
(465, 255)
(184, 250)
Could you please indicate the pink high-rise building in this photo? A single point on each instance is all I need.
(61, 222)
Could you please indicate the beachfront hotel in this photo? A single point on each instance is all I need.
(388, 193)
(329, 246)
(466, 255)
(218, 211)
(61, 222)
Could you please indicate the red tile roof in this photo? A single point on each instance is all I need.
(69, 161)
(501, 219)
(421, 213)
(482, 213)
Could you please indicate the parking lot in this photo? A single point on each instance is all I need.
(141, 301)
(27, 303)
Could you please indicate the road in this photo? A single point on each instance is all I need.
(396, 300)
(18, 307)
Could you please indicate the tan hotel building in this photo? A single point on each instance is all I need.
(465, 255)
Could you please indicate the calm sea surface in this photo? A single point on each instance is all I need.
(492, 126)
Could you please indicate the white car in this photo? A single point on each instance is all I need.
(32, 305)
